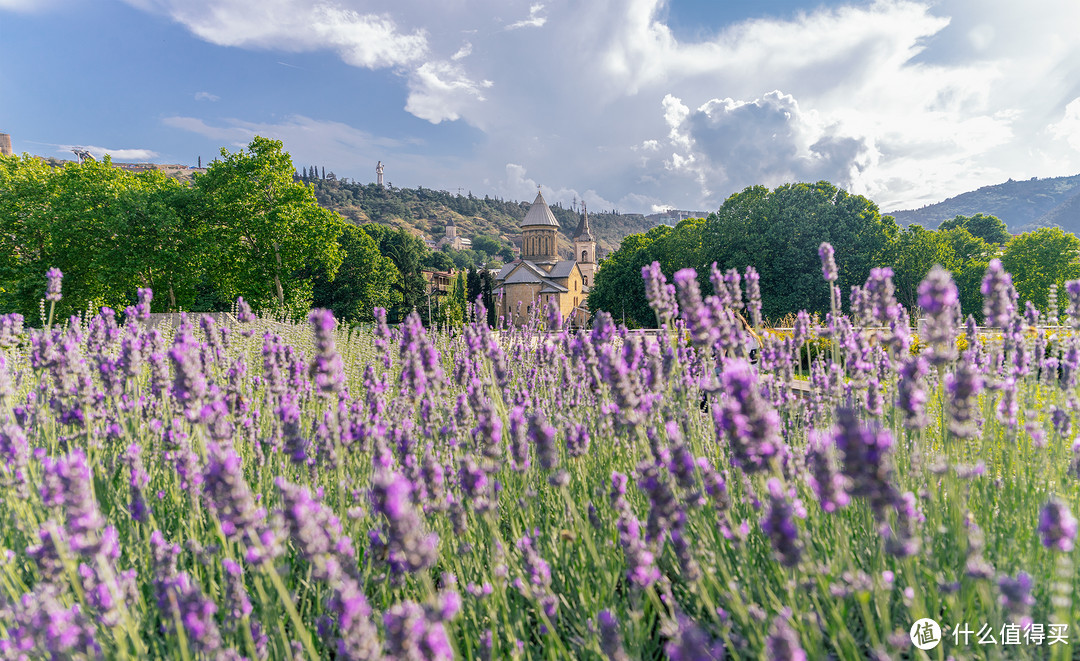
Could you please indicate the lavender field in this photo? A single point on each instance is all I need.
(266, 490)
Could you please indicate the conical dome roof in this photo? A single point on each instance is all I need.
(539, 214)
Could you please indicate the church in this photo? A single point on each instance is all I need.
(540, 276)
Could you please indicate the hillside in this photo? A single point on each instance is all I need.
(1022, 205)
(425, 212)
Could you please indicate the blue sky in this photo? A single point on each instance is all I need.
(629, 104)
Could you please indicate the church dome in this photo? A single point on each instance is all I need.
(539, 214)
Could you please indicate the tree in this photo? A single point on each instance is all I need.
(268, 228)
(108, 231)
(439, 260)
(988, 228)
(408, 253)
(1038, 259)
(487, 244)
(619, 288)
(363, 282)
(914, 253)
(481, 285)
(779, 232)
(452, 309)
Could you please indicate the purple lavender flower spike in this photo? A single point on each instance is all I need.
(417, 632)
(866, 454)
(326, 369)
(1072, 290)
(783, 643)
(316, 531)
(55, 278)
(243, 311)
(940, 301)
(828, 484)
(693, 643)
(231, 500)
(779, 523)
(963, 387)
(41, 627)
(753, 295)
(903, 540)
(881, 297)
(1057, 525)
(1016, 597)
(999, 295)
(750, 425)
(11, 329)
(610, 636)
(698, 319)
(409, 547)
(828, 262)
(542, 436)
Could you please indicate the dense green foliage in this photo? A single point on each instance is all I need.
(988, 228)
(247, 227)
(778, 233)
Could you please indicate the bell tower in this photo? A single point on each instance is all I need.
(585, 248)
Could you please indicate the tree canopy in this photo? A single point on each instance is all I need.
(779, 231)
(246, 228)
(988, 228)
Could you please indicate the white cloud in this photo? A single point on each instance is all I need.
(206, 96)
(118, 155)
(1068, 128)
(441, 91)
(462, 52)
(768, 141)
(361, 39)
(522, 187)
(535, 20)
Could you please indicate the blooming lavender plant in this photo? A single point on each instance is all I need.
(940, 302)
(408, 546)
(999, 295)
(692, 643)
(783, 643)
(828, 484)
(779, 523)
(1057, 525)
(750, 426)
(828, 262)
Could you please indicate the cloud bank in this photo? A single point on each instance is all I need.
(907, 102)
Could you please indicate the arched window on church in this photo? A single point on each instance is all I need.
(585, 280)
(584, 255)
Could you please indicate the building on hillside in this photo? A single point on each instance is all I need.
(541, 276)
(452, 239)
(439, 282)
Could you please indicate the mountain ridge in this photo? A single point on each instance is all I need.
(1022, 205)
